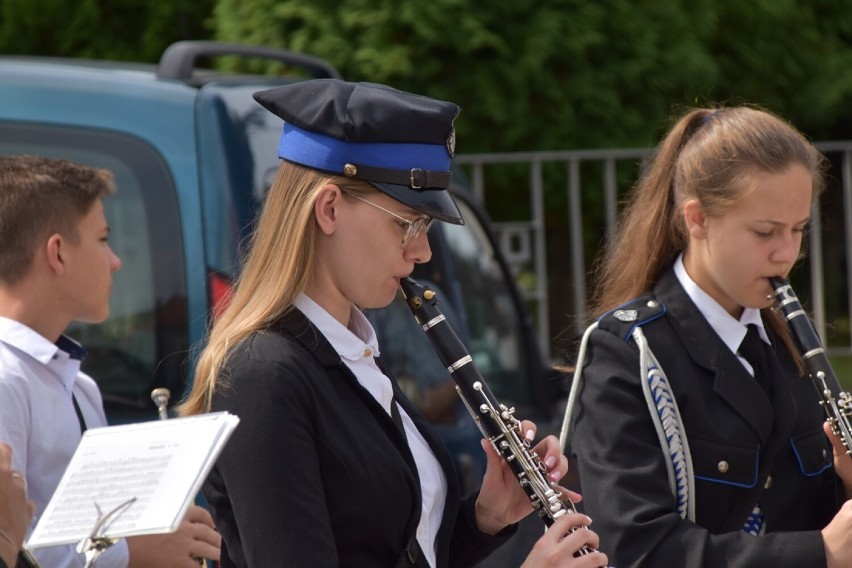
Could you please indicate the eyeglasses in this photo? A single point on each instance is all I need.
(412, 228)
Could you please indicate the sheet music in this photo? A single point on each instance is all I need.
(159, 465)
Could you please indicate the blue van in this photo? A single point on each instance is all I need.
(193, 155)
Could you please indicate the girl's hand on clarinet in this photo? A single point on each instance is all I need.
(502, 501)
(842, 460)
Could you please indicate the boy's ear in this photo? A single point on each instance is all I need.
(54, 249)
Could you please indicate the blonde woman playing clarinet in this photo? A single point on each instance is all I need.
(331, 464)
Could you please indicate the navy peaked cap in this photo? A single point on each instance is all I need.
(399, 142)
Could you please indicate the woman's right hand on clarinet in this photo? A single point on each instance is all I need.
(565, 537)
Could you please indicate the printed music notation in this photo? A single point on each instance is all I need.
(159, 465)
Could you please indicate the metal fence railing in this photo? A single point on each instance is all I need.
(524, 241)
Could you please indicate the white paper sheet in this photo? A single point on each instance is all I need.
(158, 465)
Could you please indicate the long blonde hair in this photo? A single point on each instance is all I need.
(710, 155)
(277, 268)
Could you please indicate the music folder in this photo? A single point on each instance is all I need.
(133, 479)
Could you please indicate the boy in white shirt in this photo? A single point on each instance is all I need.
(56, 267)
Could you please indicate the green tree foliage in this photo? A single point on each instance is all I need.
(560, 74)
(791, 57)
(549, 74)
(134, 30)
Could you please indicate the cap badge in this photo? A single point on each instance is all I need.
(626, 315)
(451, 142)
(350, 170)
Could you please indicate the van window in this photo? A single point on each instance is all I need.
(144, 342)
(237, 143)
(491, 314)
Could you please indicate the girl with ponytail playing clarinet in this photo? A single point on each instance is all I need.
(699, 438)
(331, 464)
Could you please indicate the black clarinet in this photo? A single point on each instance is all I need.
(497, 422)
(836, 402)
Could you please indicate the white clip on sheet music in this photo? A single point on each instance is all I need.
(155, 468)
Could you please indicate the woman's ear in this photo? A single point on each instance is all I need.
(695, 219)
(326, 208)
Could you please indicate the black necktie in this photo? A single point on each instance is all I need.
(753, 350)
(79, 412)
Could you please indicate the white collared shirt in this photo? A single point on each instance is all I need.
(358, 347)
(38, 420)
(731, 330)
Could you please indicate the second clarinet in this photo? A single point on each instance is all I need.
(836, 402)
(497, 422)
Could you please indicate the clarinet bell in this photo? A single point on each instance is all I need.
(160, 396)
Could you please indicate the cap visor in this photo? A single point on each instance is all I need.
(437, 203)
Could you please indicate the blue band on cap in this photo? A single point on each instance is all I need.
(330, 154)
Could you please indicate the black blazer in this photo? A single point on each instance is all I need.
(316, 473)
(745, 448)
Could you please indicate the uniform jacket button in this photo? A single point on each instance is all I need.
(723, 466)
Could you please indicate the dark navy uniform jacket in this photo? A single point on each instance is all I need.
(745, 448)
(317, 474)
